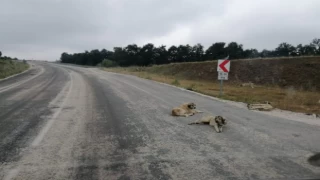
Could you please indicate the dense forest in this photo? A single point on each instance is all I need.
(150, 54)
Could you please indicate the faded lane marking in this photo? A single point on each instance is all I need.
(44, 131)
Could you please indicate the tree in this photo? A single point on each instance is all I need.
(105, 54)
(66, 58)
(216, 51)
(184, 52)
(161, 55)
(306, 50)
(132, 54)
(266, 53)
(0, 54)
(284, 49)
(146, 55)
(173, 54)
(197, 52)
(234, 50)
(316, 44)
(119, 56)
(251, 53)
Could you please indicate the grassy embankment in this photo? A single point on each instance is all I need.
(288, 83)
(11, 67)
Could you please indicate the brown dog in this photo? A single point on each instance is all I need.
(217, 122)
(186, 109)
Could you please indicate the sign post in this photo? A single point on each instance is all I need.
(221, 87)
(223, 72)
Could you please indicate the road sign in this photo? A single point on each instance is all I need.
(223, 71)
(223, 75)
(223, 65)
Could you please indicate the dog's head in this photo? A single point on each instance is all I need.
(221, 121)
(191, 105)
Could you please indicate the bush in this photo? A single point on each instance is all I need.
(108, 63)
(176, 82)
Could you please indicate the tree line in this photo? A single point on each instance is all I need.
(6, 57)
(149, 54)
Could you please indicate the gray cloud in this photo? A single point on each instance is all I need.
(37, 29)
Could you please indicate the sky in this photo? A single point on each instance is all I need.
(43, 29)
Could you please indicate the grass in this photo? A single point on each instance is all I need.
(175, 82)
(11, 67)
(192, 87)
(292, 99)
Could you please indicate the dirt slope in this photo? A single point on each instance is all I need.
(301, 72)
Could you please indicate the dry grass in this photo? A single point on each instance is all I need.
(286, 99)
(11, 67)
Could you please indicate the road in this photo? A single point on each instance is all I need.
(68, 122)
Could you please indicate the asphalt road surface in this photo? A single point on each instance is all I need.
(68, 122)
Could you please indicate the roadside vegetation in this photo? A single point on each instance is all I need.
(287, 76)
(285, 91)
(11, 67)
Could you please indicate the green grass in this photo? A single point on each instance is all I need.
(11, 67)
(175, 82)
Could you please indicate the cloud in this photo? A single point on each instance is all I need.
(37, 29)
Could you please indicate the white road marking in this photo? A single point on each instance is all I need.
(46, 128)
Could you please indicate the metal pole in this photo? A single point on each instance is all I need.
(221, 87)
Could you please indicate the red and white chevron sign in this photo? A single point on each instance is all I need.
(223, 65)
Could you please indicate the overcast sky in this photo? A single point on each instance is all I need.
(43, 29)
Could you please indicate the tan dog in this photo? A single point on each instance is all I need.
(261, 107)
(217, 122)
(186, 109)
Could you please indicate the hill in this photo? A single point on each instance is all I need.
(289, 83)
(300, 73)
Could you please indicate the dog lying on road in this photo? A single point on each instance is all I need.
(217, 122)
(186, 109)
(261, 107)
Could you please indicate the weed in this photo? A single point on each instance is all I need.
(192, 87)
(176, 82)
